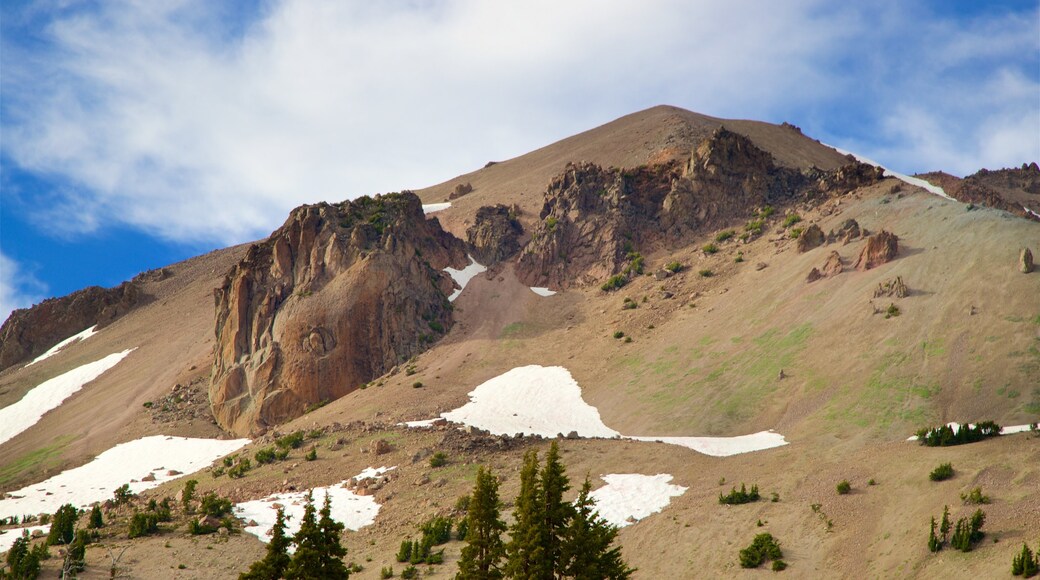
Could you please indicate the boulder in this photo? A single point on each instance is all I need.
(894, 288)
(880, 248)
(814, 275)
(1025, 261)
(848, 231)
(811, 238)
(832, 266)
(381, 447)
(460, 190)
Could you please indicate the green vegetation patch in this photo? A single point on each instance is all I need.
(36, 461)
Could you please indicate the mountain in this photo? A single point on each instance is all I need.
(694, 276)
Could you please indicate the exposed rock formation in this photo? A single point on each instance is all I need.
(848, 231)
(894, 288)
(1012, 190)
(495, 234)
(831, 267)
(811, 238)
(29, 332)
(595, 220)
(460, 190)
(879, 249)
(333, 298)
(1025, 261)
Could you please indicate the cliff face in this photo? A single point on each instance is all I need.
(335, 297)
(595, 221)
(1015, 190)
(29, 332)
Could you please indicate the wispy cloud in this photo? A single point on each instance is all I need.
(195, 124)
(18, 288)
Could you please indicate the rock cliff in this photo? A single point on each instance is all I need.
(335, 297)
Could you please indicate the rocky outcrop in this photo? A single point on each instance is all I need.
(1014, 190)
(848, 232)
(495, 234)
(29, 332)
(894, 288)
(335, 297)
(811, 238)
(460, 190)
(879, 249)
(595, 221)
(1025, 261)
(831, 267)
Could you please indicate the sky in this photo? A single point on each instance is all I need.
(134, 134)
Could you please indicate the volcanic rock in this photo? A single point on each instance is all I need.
(879, 249)
(332, 299)
(495, 234)
(811, 238)
(894, 288)
(848, 231)
(1025, 261)
(831, 267)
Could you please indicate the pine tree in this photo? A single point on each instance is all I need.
(332, 552)
(944, 527)
(1023, 564)
(63, 525)
(274, 563)
(23, 561)
(95, 518)
(75, 557)
(934, 545)
(558, 513)
(524, 548)
(306, 561)
(484, 550)
(586, 552)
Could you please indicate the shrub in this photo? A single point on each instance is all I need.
(619, 334)
(386, 572)
(438, 459)
(706, 273)
(844, 487)
(742, 496)
(462, 504)
(792, 219)
(723, 236)
(674, 267)
(95, 521)
(941, 473)
(871, 481)
(739, 258)
(240, 469)
(629, 304)
(975, 497)
(892, 311)
(264, 456)
(291, 441)
(410, 572)
(627, 339)
(550, 223)
(779, 565)
(312, 454)
(710, 248)
(404, 553)
(614, 282)
(215, 506)
(764, 547)
(417, 385)
(754, 227)
(123, 495)
(1024, 564)
(946, 435)
(766, 211)
(188, 494)
(794, 233)
(968, 532)
(143, 524)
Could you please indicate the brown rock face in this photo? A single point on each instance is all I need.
(29, 332)
(1025, 261)
(811, 238)
(879, 249)
(831, 267)
(332, 299)
(848, 231)
(461, 190)
(894, 288)
(1014, 190)
(495, 234)
(595, 220)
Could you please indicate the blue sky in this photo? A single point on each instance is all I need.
(136, 134)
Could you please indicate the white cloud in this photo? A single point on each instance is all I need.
(161, 116)
(18, 289)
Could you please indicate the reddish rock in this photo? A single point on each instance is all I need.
(831, 267)
(894, 288)
(495, 234)
(879, 249)
(811, 238)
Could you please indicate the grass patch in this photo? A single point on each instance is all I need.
(36, 461)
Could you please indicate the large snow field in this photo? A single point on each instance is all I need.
(902, 177)
(7, 537)
(50, 394)
(158, 456)
(429, 208)
(352, 510)
(463, 276)
(629, 497)
(546, 401)
(542, 291)
(54, 349)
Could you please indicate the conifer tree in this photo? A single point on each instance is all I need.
(332, 551)
(75, 557)
(586, 552)
(23, 561)
(558, 513)
(95, 518)
(934, 545)
(63, 525)
(1024, 564)
(274, 563)
(944, 527)
(307, 560)
(484, 550)
(524, 549)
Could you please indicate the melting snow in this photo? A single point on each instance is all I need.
(463, 276)
(904, 178)
(352, 510)
(546, 401)
(429, 208)
(7, 537)
(50, 394)
(542, 291)
(156, 455)
(1037, 215)
(54, 349)
(629, 497)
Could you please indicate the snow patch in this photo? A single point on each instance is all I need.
(546, 401)
(420, 424)
(724, 446)
(1034, 214)
(8, 536)
(429, 208)
(463, 276)
(630, 497)
(50, 394)
(156, 455)
(352, 510)
(904, 178)
(54, 349)
(534, 400)
(542, 291)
